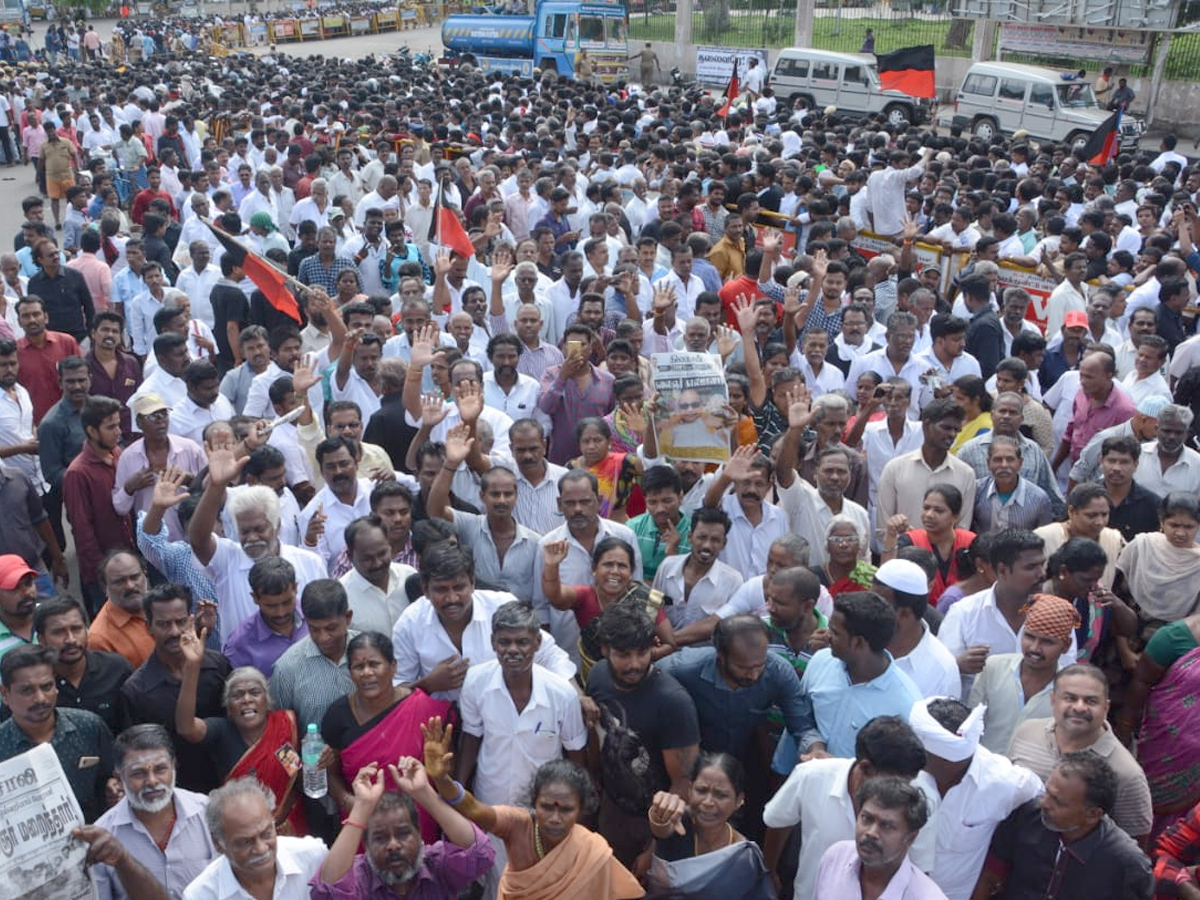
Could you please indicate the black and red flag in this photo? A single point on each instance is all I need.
(270, 280)
(446, 229)
(731, 92)
(1102, 145)
(909, 71)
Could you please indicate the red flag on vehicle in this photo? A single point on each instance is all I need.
(1102, 145)
(450, 232)
(909, 70)
(731, 92)
(270, 280)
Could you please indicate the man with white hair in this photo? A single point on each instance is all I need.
(260, 199)
(313, 208)
(255, 512)
(977, 788)
(160, 825)
(255, 861)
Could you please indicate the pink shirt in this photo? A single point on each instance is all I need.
(33, 136)
(1089, 418)
(98, 276)
(838, 878)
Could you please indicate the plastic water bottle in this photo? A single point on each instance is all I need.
(316, 781)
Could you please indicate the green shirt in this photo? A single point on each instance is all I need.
(654, 549)
(777, 642)
(8, 640)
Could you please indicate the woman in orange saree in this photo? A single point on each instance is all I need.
(377, 721)
(550, 855)
(252, 739)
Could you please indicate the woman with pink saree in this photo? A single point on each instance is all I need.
(377, 721)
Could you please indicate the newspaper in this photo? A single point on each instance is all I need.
(693, 418)
(38, 811)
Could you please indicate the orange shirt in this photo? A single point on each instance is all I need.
(118, 631)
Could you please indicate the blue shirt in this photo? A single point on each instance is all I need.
(728, 716)
(842, 708)
(252, 643)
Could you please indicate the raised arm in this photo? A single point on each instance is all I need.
(433, 410)
(799, 416)
(189, 727)
(458, 447)
(747, 320)
(345, 360)
(737, 467)
(561, 596)
(414, 781)
(422, 356)
(223, 468)
(439, 763)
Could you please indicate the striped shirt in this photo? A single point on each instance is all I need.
(307, 681)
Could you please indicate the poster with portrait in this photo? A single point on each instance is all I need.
(693, 417)
(38, 811)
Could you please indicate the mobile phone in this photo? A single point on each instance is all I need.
(574, 348)
(882, 391)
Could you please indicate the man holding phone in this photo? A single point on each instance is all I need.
(574, 391)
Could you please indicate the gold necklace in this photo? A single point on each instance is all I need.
(537, 841)
(696, 840)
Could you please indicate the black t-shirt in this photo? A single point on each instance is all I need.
(225, 743)
(658, 715)
(229, 305)
(264, 314)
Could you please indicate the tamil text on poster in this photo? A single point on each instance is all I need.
(693, 417)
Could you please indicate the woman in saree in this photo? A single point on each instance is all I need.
(948, 544)
(617, 473)
(550, 855)
(252, 738)
(612, 576)
(377, 721)
(843, 571)
(697, 851)
(1158, 571)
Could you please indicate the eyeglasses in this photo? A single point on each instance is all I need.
(157, 416)
(843, 540)
(685, 406)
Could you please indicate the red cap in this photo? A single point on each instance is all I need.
(1075, 319)
(12, 569)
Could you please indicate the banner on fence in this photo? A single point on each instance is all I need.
(1105, 44)
(870, 244)
(715, 64)
(310, 28)
(387, 21)
(693, 419)
(285, 29)
(38, 808)
(1039, 289)
(361, 24)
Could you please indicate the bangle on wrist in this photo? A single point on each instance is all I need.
(458, 798)
(446, 468)
(348, 821)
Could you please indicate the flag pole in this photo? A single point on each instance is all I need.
(295, 283)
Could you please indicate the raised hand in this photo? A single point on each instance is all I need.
(442, 264)
(664, 297)
(911, 228)
(820, 264)
(791, 300)
(423, 345)
(666, 811)
(738, 466)
(469, 398)
(746, 314)
(632, 413)
(772, 242)
(224, 466)
(206, 616)
(458, 445)
(799, 407)
(170, 489)
(410, 776)
(895, 526)
(306, 376)
(727, 340)
(554, 552)
(439, 761)
(368, 785)
(191, 645)
(433, 409)
(501, 269)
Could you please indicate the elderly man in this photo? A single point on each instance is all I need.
(255, 861)
(1079, 704)
(1007, 418)
(450, 629)
(160, 825)
(915, 650)
(120, 626)
(1100, 404)
(255, 510)
(1003, 499)
(396, 862)
(1065, 845)
(891, 813)
(974, 784)
(822, 797)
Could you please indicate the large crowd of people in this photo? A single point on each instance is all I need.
(929, 631)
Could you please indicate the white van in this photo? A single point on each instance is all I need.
(1001, 98)
(848, 81)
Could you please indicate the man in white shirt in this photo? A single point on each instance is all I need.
(204, 403)
(886, 189)
(697, 583)
(756, 522)
(977, 788)
(914, 649)
(821, 797)
(426, 656)
(344, 498)
(375, 585)
(255, 861)
(197, 280)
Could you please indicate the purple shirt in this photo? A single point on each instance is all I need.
(182, 453)
(446, 870)
(563, 402)
(1089, 419)
(252, 643)
(838, 878)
